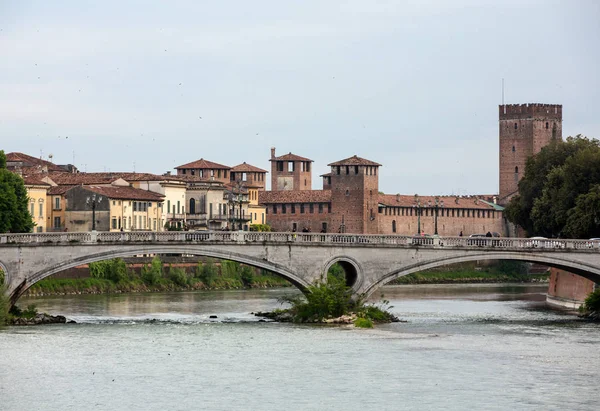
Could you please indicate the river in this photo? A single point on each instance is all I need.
(479, 347)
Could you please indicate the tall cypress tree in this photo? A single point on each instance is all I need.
(14, 215)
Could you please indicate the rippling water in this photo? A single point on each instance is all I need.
(483, 347)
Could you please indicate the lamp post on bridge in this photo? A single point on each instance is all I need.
(417, 206)
(92, 202)
(436, 206)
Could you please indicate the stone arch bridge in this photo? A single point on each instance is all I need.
(370, 261)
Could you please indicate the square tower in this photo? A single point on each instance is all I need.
(290, 172)
(354, 196)
(523, 130)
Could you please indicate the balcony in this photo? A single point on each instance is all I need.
(176, 216)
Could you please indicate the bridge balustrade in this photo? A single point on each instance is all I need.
(316, 238)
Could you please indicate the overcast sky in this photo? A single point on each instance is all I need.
(413, 85)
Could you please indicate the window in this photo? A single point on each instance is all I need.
(516, 170)
(337, 170)
(323, 227)
(311, 208)
(347, 192)
(301, 208)
(57, 203)
(516, 126)
(329, 207)
(283, 209)
(178, 206)
(308, 166)
(546, 125)
(274, 208)
(293, 208)
(347, 170)
(56, 222)
(393, 226)
(244, 176)
(513, 149)
(32, 209)
(119, 222)
(114, 223)
(114, 203)
(320, 208)
(355, 169)
(154, 224)
(280, 166)
(290, 166)
(41, 209)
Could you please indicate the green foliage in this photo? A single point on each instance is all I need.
(1, 279)
(324, 300)
(14, 212)
(591, 303)
(4, 303)
(559, 194)
(207, 273)
(361, 322)
(247, 275)
(336, 272)
(178, 276)
(230, 269)
(114, 270)
(260, 227)
(30, 312)
(151, 275)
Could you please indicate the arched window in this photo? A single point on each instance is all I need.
(393, 226)
(192, 206)
(347, 192)
(516, 170)
(546, 125)
(516, 126)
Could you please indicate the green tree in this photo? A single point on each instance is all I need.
(14, 215)
(154, 273)
(558, 183)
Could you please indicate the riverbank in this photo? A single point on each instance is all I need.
(50, 286)
(469, 277)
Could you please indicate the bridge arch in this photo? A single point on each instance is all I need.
(160, 249)
(580, 268)
(6, 274)
(352, 268)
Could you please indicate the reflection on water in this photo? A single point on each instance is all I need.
(481, 347)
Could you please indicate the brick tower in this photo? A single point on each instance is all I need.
(290, 172)
(354, 196)
(524, 129)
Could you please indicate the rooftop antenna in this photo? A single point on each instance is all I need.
(502, 90)
(134, 166)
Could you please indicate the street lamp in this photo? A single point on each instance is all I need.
(438, 204)
(92, 202)
(417, 207)
(240, 185)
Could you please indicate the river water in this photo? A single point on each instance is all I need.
(479, 347)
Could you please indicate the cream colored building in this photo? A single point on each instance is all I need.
(113, 209)
(37, 194)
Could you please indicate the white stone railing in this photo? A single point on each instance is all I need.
(238, 237)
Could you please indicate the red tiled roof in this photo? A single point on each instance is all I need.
(83, 178)
(33, 180)
(126, 193)
(203, 164)
(398, 200)
(355, 161)
(29, 161)
(294, 196)
(247, 168)
(326, 175)
(59, 190)
(290, 157)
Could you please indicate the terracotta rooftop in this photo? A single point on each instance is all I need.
(326, 174)
(83, 178)
(125, 193)
(399, 200)
(29, 161)
(290, 157)
(203, 164)
(247, 168)
(59, 190)
(355, 161)
(294, 196)
(34, 180)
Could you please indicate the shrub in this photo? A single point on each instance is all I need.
(247, 275)
(3, 306)
(260, 227)
(592, 303)
(152, 274)
(114, 270)
(178, 276)
(230, 269)
(336, 272)
(207, 272)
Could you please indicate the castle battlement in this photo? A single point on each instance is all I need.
(531, 110)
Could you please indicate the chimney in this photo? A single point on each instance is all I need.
(272, 153)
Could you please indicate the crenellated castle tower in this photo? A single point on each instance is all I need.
(524, 129)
